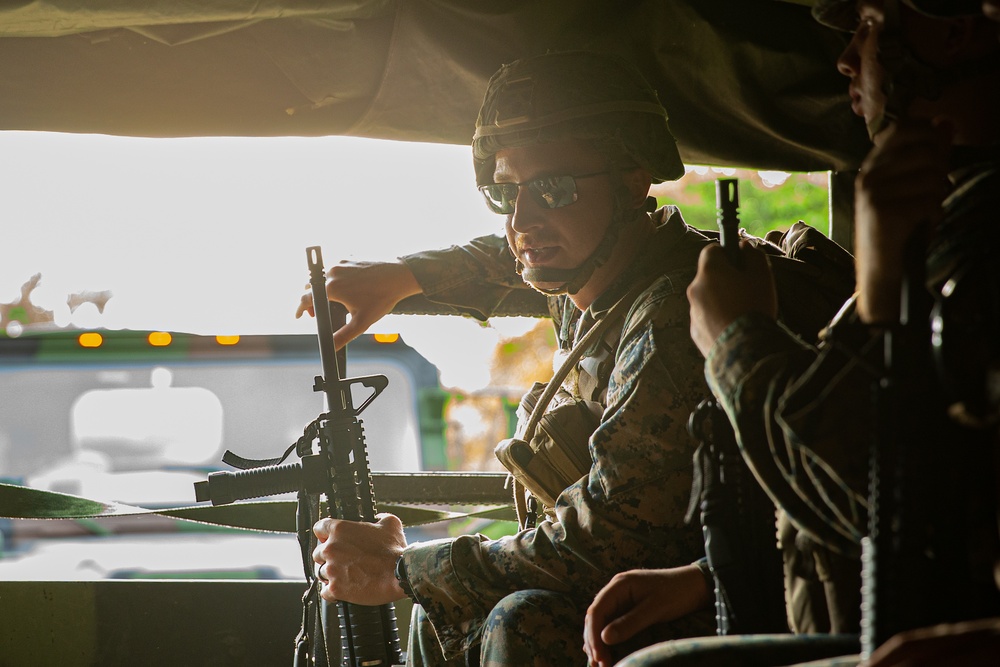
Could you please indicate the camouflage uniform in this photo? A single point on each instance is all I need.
(805, 417)
(822, 588)
(741, 651)
(523, 597)
(476, 279)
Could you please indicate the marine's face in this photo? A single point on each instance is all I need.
(860, 63)
(563, 237)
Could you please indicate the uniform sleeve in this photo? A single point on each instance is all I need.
(627, 513)
(803, 420)
(476, 279)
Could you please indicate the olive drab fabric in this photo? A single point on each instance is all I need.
(550, 449)
(739, 77)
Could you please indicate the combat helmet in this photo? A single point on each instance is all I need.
(575, 95)
(843, 14)
(907, 77)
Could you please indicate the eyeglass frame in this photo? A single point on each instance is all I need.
(537, 196)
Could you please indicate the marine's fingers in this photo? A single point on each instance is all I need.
(348, 332)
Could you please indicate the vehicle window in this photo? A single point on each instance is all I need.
(155, 426)
(206, 237)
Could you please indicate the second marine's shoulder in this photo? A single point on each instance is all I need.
(663, 303)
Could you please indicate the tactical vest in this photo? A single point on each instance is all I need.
(550, 449)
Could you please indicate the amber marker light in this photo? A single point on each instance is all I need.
(159, 338)
(386, 338)
(90, 339)
(227, 340)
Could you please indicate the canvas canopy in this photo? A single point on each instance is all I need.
(749, 83)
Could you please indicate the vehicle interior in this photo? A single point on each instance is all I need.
(747, 84)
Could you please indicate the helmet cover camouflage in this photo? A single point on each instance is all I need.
(574, 95)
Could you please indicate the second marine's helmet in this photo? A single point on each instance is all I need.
(843, 14)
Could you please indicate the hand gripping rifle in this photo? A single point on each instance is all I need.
(338, 469)
(913, 531)
(737, 516)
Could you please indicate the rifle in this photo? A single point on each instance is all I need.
(932, 480)
(334, 462)
(737, 516)
(900, 548)
(913, 535)
(727, 205)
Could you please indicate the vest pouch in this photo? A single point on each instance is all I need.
(559, 453)
(531, 471)
(564, 438)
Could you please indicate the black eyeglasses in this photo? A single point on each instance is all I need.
(547, 191)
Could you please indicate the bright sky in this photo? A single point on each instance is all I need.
(209, 235)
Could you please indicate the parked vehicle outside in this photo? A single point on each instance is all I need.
(137, 417)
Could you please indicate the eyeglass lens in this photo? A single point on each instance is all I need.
(550, 192)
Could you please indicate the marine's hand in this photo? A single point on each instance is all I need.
(635, 600)
(369, 291)
(721, 292)
(971, 644)
(357, 560)
(899, 189)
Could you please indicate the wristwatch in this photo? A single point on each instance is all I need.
(404, 583)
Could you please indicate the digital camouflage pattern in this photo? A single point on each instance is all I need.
(805, 418)
(822, 567)
(627, 513)
(742, 651)
(657, 377)
(813, 278)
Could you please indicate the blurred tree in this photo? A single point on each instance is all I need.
(768, 200)
(477, 421)
(22, 311)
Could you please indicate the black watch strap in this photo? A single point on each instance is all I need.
(404, 583)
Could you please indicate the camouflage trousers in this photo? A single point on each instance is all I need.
(750, 651)
(527, 628)
(536, 628)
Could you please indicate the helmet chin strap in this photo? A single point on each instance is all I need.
(571, 281)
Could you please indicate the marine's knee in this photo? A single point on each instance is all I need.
(534, 627)
(533, 609)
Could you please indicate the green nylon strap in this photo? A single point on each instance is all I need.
(20, 502)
